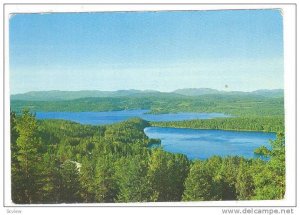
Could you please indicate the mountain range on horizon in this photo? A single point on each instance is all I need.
(57, 95)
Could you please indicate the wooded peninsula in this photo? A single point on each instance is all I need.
(58, 161)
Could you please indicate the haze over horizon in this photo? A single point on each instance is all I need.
(164, 51)
(151, 90)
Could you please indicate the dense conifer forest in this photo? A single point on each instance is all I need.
(57, 161)
(118, 106)
(248, 123)
(233, 104)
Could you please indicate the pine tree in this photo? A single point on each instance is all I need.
(131, 178)
(244, 185)
(166, 175)
(105, 183)
(70, 188)
(51, 178)
(87, 177)
(198, 185)
(270, 181)
(28, 145)
(16, 175)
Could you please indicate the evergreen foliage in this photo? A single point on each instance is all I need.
(236, 105)
(57, 161)
(249, 123)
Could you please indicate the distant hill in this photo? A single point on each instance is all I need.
(269, 93)
(207, 91)
(196, 91)
(56, 95)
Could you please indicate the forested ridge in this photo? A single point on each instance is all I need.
(58, 95)
(237, 105)
(248, 123)
(57, 161)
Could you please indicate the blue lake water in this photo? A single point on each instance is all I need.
(196, 144)
(202, 144)
(109, 117)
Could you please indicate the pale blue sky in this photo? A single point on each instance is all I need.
(146, 50)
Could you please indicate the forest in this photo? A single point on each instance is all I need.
(232, 104)
(57, 161)
(248, 123)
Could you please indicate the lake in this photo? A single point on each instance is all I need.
(202, 144)
(196, 144)
(109, 117)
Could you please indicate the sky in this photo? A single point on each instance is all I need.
(165, 51)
